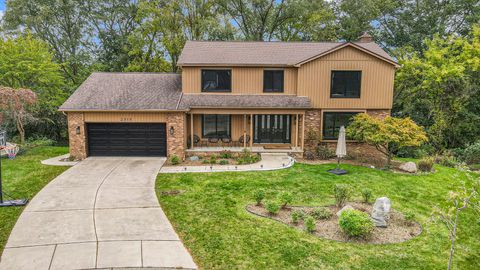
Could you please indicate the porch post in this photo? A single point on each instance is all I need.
(191, 132)
(296, 130)
(251, 131)
(244, 131)
(303, 131)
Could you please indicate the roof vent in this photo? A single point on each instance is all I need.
(365, 37)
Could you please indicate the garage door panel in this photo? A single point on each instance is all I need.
(132, 139)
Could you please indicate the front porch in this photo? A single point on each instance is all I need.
(260, 131)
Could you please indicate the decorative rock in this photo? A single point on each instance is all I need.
(410, 167)
(194, 158)
(381, 211)
(346, 207)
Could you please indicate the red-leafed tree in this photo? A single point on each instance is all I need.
(15, 106)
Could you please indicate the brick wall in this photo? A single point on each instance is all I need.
(176, 144)
(77, 142)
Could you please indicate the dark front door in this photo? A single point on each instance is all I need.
(271, 128)
(130, 139)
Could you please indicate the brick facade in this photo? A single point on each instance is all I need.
(176, 144)
(77, 142)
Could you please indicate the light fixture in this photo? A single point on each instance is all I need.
(172, 131)
(77, 130)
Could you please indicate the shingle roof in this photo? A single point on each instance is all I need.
(262, 53)
(243, 101)
(126, 91)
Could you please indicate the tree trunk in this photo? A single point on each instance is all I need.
(21, 130)
(454, 235)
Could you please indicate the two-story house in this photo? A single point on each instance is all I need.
(265, 96)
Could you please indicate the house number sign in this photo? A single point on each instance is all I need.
(126, 119)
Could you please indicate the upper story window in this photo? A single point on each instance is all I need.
(345, 84)
(273, 81)
(216, 80)
(332, 121)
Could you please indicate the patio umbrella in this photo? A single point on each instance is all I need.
(340, 152)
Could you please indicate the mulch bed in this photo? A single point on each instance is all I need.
(398, 230)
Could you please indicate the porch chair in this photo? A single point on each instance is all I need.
(196, 141)
(213, 141)
(226, 141)
(241, 140)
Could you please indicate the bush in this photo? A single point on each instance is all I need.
(321, 213)
(323, 152)
(223, 162)
(246, 157)
(342, 194)
(259, 195)
(174, 160)
(297, 215)
(272, 207)
(425, 164)
(355, 223)
(309, 155)
(213, 159)
(226, 154)
(471, 155)
(367, 195)
(285, 198)
(205, 161)
(310, 224)
(446, 160)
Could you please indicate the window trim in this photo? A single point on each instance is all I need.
(265, 90)
(216, 126)
(360, 83)
(324, 122)
(216, 90)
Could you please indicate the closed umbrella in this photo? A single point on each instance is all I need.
(340, 152)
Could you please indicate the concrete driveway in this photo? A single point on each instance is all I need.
(101, 213)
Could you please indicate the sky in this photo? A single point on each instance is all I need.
(2, 8)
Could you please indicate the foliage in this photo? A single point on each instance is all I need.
(342, 194)
(446, 160)
(297, 215)
(223, 162)
(387, 134)
(409, 216)
(471, 155)
(285, 198)
(247, 157)
(174, 160)
(310, 224)
(324, 152)
(213, 159)
(367, 195)
(426, 164)
(226, 154)
(259, 195)
(321, 213)
(355, 223)
(309, 155)
(272, 207)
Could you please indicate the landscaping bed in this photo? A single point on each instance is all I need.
(398, 230)
(221, 158)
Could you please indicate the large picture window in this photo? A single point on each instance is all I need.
(332, 121)
(273, 80)
(216, 126)
(345, 84)
(216, 80)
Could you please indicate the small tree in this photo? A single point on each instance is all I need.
(386, 134)
(14, 105)
(458, 201)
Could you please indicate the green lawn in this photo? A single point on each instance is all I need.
(23, 177)
(211, 219)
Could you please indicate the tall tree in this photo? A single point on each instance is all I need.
(15, 107)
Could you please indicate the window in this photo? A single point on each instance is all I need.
(332, 121)
(216, 80)
(273, 81)
(345, 84)
(216, 126)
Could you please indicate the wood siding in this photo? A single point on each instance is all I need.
(125, 117)
(245, 80)
(376, 86)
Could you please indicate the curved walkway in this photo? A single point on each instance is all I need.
(101, 213)
(269, 162)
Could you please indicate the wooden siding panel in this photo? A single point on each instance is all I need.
(376, 87)
(124, 117)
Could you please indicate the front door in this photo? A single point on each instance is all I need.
(271, 128)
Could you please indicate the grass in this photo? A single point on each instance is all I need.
(211, 219)
(23, 177)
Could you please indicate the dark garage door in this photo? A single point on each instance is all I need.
(127, 139)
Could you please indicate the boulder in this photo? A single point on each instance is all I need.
(343, 209)
(381, 211)
(194, 158)
(410, 167)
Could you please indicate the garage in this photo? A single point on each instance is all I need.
(127, 139)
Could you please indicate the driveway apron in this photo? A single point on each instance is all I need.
(101, 213)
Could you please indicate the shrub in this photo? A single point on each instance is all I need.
(425, 164)
(446, 160)
(309, 155)
(342, 194)
(355, 223)
(213, 159)
(226, 154)
(205, 161)
(223, 162)
(272, 207)
(310, 224)
(367, 195)
(323, 152)
(174, 160)
(297, 215)
(246, 157)
(321, 213)
(285, 198)
(259, 195)
(471, 155)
